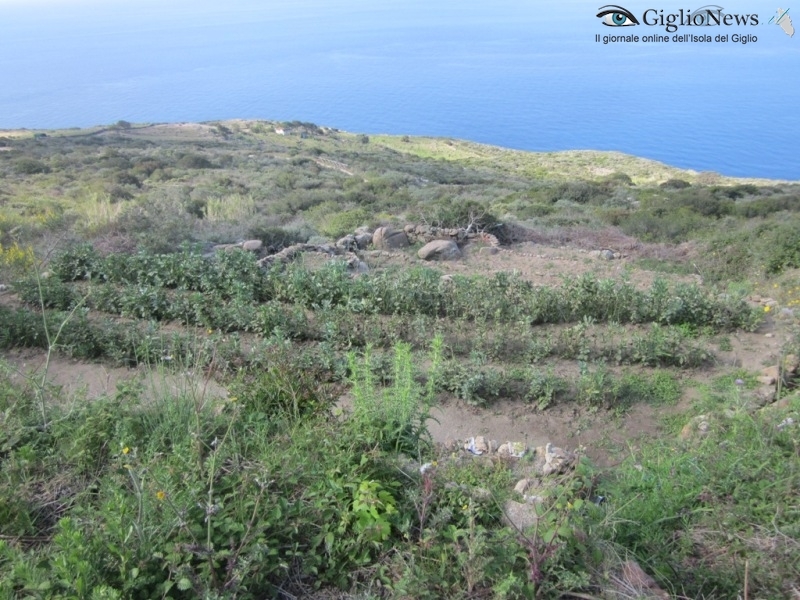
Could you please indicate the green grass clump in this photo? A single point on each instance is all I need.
(707, 515)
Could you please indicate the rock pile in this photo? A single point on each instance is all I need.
(770, 377)
(545, 462)
(439, 244)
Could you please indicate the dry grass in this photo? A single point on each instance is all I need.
(611, 238)
(570, 164)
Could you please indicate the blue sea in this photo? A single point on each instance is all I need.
(521, 74)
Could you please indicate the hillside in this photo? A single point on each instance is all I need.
(252, 359)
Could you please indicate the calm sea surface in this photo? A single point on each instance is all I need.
(521, 74)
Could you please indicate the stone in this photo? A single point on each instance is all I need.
(766, 379)
(764, 395)
(359, 267)
(477, 445)
(446, 278)
(491, 250)
(440, 250)
(523, 485)
(348, 243)
(363, 229)
(252, 245)
(769, 375)
(557, 460)
(512, 449)
(520, 515)
(791, 363)
(606, 255)
(697, 426)
(409, 229)
(386, 238)
(363, 240)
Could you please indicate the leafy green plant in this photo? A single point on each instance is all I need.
(594, 385)
(544, 388)
(395, 417)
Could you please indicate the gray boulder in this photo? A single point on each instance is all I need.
(348, 243)
(386, 238)
(557, 460)
(252, 245)
(440, 250)
(363, 240)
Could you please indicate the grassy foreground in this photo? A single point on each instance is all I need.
(270, 489)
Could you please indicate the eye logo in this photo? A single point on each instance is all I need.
(616, 16)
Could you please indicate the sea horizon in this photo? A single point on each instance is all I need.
(513, 75)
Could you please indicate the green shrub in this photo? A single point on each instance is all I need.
(76, 263)
(48, 293)
(663, 225)
(276, 239)
(675, 184)
(781, 248)
(280, 394)
(30, 166)
(544, 388)
(341, 223)
(579, 192)
(194, 161)
(459, 213)
(395, 418)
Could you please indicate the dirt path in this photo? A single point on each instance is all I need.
(89, 381)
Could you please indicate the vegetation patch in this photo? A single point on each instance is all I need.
(317, 474)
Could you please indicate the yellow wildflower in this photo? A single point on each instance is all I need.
(767, 309)
(125, 450)
(160, 494)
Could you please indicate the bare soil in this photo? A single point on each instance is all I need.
(77, 379)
